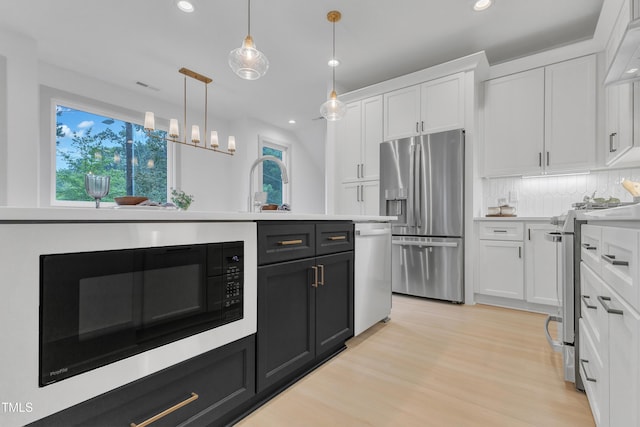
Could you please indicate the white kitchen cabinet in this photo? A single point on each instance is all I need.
(358, 138)
(618, 98)
(542, 120)
(359, 198)
(433, 106)
(500, 269)
(514, 124)
(570, 115)
(610, 330)
(542, 283)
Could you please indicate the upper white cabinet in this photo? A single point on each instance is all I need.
(430, 107)
(358, 137)
(618, 98)
(541, 120)
(357, 158)
(514, 124)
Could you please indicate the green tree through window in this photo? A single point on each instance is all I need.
(87, 142)
(271, 176)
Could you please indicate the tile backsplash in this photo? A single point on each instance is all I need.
(553, 195)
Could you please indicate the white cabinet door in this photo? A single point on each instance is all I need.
(570, 115)
(500, 269)
(348, 144)
(624, 357)
(401, 113)
(371, 137)
(542, 282)
(514, 124)
(370, 198)
(442, 106)
(348, 200)
(619, 121)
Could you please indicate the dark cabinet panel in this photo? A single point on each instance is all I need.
(286, 320)
(334, 301)
(334, 237)
(222, 379)
(285, 241)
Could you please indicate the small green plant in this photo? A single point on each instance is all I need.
(181, 199)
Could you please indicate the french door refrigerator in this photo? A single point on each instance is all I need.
(422, 183)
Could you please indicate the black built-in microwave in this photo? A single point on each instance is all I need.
(100, 307)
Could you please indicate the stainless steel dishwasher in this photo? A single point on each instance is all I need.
(372, 281)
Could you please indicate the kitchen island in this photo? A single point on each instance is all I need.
(28, 234)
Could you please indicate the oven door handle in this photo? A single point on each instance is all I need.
(555, 344)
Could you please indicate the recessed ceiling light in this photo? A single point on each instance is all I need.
(292, 122)
(632, 70)
(481, 5)
(333, 62)
(185, 6)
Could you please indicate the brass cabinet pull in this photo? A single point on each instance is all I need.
(315, 276)
(321, 282)
(166, 412)
(333, 238)
(290, 242)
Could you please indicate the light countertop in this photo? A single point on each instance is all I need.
(513, 218)
(142, 214)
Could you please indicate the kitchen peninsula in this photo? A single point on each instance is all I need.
(257, 251)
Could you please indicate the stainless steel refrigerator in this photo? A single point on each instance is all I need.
(422, 183)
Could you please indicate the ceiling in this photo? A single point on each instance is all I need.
(124, 41)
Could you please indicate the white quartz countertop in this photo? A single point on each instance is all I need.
(621, 213)
(513, 218)
(110, 214)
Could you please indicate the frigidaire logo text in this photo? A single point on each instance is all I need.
(58, 372)
(16, 407)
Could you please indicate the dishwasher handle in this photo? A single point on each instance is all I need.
(435, 244)
(378, 232)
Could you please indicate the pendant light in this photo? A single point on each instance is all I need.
(333, 109)
(247, 61)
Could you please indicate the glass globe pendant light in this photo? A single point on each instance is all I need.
(247, 61)
(333, 109)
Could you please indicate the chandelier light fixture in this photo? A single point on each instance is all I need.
(333, 109)
(174, 133)
(247, 61)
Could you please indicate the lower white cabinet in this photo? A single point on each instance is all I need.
(610, 336)
(500, 269)
(359, 198)
(540, 265)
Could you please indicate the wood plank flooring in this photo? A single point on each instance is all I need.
(436, 364)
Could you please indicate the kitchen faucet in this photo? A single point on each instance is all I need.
(283, 173)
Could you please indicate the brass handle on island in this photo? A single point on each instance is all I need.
(166, 412)
(333, 238)
(290, 242)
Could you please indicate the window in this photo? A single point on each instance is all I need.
(87, 142)
(271, 177)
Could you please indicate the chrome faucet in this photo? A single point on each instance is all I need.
(283, 173)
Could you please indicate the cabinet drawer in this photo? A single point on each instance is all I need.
(285, 242)
(594, 377)
(501, 230)
(207, 386)
(619, 260)
(590, 246)
(334, 237)
(593, 314)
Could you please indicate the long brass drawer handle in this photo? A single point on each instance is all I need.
(166, 412)
(333, 238)
(315, 276)
(321, 267)
(289, 242)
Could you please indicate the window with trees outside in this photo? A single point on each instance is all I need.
(87, 142)
(277, 192)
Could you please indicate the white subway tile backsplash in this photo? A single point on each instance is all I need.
(549, 196)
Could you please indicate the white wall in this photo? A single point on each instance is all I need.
(218, 182)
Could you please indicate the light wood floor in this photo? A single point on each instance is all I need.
(436, 364)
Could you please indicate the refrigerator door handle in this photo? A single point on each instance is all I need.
(411, 198)
(425, 244)
(417, 191)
